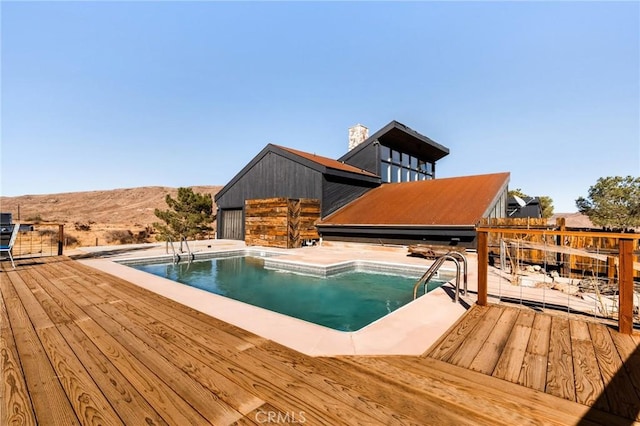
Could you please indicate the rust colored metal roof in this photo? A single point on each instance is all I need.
(450, 201)
(327, 162)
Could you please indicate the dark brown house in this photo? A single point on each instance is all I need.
(379, 191)
(279, 172)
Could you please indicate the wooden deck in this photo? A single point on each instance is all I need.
(78, 346)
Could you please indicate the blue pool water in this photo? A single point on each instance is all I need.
(347, 301)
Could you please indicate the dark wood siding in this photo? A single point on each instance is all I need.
(366, 159)
(337, 192)
(273, 176)
(230, 224)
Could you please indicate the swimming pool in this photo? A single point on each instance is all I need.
(347, 300)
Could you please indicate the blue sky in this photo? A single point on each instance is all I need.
(103, 95)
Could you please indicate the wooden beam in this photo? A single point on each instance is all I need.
(591, 234)
(611, 268)
(557, 249)
(483, 267)
(625, 282)
(60, 239)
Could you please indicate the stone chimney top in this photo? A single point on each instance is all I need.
(357, 135)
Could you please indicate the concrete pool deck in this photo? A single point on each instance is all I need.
(410, 330)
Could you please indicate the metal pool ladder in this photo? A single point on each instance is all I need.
(453, 256)
(176, 256)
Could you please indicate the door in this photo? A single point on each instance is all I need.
(231, 224)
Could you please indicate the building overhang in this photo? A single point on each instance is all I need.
(443, 230)
(397, 136)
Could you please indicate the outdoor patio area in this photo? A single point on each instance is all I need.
(80, 346)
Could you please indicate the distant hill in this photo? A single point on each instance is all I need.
(117, 206)
(117, 209)
(574, 220)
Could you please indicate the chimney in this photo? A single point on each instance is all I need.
(357, 135)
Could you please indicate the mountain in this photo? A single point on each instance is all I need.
(93, 214)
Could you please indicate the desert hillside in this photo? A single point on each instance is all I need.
(97, 215)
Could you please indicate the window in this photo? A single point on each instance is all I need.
(405, 160)
(384, 172)
(396, 166)
(385, 153)
(395, 174)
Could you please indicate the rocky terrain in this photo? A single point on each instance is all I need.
(97, 217)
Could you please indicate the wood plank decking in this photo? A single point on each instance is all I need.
(78, 346)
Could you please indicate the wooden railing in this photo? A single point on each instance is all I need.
(620, 259)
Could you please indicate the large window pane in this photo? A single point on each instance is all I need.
(414, 163)
(395, 156)
(395, 174)
(384, 172)
(405, 160)
(385, 153)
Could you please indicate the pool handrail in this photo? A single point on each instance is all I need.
(465, 265)
(191, 255)
(176, 256)
(435, 266)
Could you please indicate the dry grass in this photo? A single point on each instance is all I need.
(95, 216)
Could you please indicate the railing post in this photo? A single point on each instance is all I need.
(60, 238)
(483, 266)
(611, 268)
(625, 282)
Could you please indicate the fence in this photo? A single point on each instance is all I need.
(589, 273)
(534, 246)
(281, 222)
(44, 239)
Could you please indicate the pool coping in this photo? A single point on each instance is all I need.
(405, 331)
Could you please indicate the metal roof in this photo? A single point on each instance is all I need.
(322, 164)
(457, 201)
(327, 162)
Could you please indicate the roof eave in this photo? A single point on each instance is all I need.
(346, 174)
(394, 226)
(503, 188)
(365, 176)
(321, 167)
(417, 230)
(396, 125)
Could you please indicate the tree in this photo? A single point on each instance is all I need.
(613, 202)
(546, 203)
(188, 216)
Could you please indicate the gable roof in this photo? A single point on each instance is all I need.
(458, 201)
(324, 165)
(397, 135)
(326, 162)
